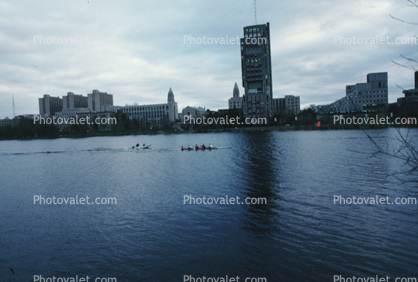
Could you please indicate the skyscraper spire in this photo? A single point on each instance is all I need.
(13, 104)
(235, 91)
(255, 11)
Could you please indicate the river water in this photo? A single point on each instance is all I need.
(301, 234)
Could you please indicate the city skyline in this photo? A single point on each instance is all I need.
(137, 63)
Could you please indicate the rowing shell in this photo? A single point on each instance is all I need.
(207, 149)
(141, 147)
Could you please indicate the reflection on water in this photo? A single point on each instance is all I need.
(260, 170)
(150, 235)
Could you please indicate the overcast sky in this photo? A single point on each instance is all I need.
(136, 50)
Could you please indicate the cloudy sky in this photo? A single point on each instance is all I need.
(136, 50)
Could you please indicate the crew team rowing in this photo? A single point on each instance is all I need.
(203, 147)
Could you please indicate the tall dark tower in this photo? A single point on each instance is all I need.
(416, 80)
(256, 71)
(235, 92)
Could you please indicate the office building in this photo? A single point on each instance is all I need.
(156, 114)
(287, 106)
(362, 97)
(73, 101)
(48, 105)
(411, 95)
(256, 71)
(98, 101)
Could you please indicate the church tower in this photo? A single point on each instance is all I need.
(173, 114)
(236, 101)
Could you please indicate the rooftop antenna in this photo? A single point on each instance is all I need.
(13, 103)
(255, 11)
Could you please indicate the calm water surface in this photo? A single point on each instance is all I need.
(150, 235)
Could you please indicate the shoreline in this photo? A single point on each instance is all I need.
(215, 130)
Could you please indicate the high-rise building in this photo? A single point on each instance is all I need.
(256, 71)
(73, 101)
(416, 80)
(361, 97)
(48, 105)
(98, 101)
(236, 101)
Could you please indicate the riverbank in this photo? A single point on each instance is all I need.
(212, 130)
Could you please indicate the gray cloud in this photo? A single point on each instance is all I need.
(136, 50)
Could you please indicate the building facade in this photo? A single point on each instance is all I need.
(156, 114)
(256, 71)
(73, 101)
(236, 101)
(98, 101)
(362, 97)
(287, 106)
(411, 95)
(9, 122)
(48, 105)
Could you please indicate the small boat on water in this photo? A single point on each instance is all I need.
(139, 147)
(144, 147)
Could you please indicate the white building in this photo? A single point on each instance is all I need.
(156, 114)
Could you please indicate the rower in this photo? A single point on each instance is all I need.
(197, 147)
(137, 145)
(182, 148)
(210, 146)
(203, 146)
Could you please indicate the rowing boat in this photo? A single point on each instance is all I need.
(204, 149)
(141, 147)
